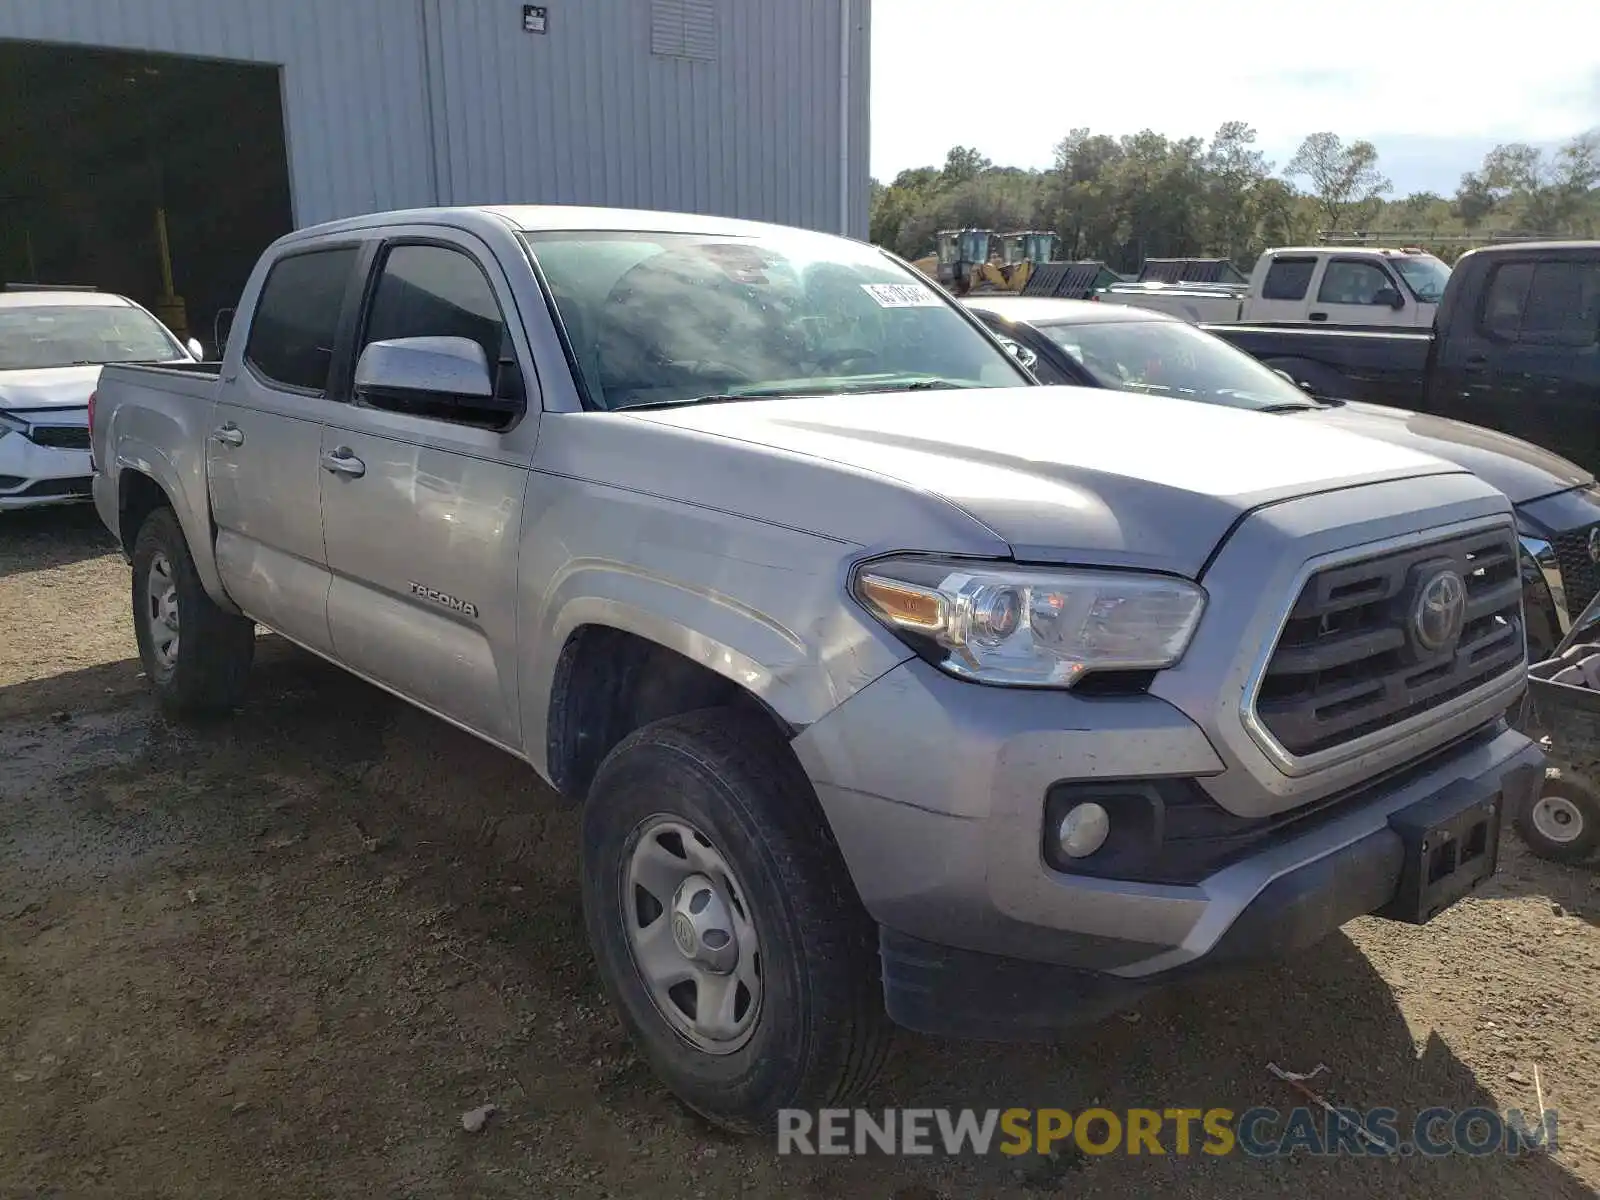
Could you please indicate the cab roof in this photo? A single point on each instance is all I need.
(46, 298)
(1041, 310)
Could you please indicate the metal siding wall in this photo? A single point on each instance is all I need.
(582, 114)
(352, 80)
(585, 114)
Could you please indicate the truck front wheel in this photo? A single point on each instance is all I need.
(195, 654)
(724, 923)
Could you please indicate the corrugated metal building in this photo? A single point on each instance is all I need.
(754, 108)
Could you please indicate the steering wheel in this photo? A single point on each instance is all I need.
(714, 369)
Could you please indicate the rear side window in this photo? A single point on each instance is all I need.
(1288, 279)
(297, 318)
(1548, 303)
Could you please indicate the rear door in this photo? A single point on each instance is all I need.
(1285, 290)
(422, 504)
(266, 437)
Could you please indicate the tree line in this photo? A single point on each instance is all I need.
(1144, 195)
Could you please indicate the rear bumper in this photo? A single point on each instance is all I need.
(33, 476)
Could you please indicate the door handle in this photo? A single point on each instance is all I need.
(228, 435)
(1475, 362)
(342, 462)
(1319, 316)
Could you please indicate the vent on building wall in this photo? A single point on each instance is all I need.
(684, 29)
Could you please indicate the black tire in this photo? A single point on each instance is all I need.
(820, 1035)
(1579, 818)
(214, 647)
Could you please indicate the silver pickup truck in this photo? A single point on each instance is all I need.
(892, 683)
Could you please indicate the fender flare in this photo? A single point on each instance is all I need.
(146, 460)
(752, 651)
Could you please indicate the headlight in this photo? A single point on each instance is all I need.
(9, 424)
(1031, 627)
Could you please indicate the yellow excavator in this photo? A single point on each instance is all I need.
(978, 260)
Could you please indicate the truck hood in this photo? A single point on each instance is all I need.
(1522, 471)
(48, 387)
(1060, 474)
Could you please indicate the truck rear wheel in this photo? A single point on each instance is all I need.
(195, 654)
(724, 923)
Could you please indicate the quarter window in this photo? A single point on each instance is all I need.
(297, 318)
(1288, 279)
(1350, 281)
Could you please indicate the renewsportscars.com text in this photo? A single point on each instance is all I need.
(1257, 1132)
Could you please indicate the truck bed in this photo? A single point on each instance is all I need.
(1382, 366)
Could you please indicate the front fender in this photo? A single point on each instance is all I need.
(793, 642)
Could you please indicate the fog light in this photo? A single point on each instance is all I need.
(1083, 830)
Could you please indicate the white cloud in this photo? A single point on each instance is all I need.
(1012, 76)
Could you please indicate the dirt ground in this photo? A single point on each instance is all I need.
(282, 955)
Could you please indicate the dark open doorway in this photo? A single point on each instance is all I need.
(98, 146)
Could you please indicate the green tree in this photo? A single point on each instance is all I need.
(1345, 180)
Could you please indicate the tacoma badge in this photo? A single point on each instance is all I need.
(445, 599)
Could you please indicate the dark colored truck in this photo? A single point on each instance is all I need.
(1515, 347)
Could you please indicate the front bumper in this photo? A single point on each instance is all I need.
(935, 791)
(32, 476)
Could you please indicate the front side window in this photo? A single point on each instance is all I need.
(1173, 358)
(1351, 281)
(669, 318)
(296, 321)
(34, 337)
(436, 291)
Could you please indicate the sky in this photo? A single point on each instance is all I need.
(1011, 77)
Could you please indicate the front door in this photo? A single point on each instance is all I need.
(422, 503)
(1360, 291)
(264, 442)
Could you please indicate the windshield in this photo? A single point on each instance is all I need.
(1424, 274)
(664, 318)
(61, 335)
(1173, 358)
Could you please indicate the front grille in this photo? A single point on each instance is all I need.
(1580, 576)
(1348, 662)
(60, 437)
(79, 486)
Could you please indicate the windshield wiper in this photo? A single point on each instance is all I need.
(1288, 408)
(713, 398)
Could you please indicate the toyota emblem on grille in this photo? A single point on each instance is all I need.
(1594, 545)
(1439, 611)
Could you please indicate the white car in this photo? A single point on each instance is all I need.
(52, 344)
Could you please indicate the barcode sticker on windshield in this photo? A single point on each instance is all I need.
(901, 295)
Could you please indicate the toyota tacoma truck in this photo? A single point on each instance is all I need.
(892, 683)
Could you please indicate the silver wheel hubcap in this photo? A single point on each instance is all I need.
(691, 934)
(161, 611)
(1557, 818)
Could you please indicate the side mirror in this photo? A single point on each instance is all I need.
(194, 347)
(452, 370)
(1389, 296)
(1020, 352)
(1280, 371)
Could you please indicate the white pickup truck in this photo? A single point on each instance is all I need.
(892, 683)
(1322, 285)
